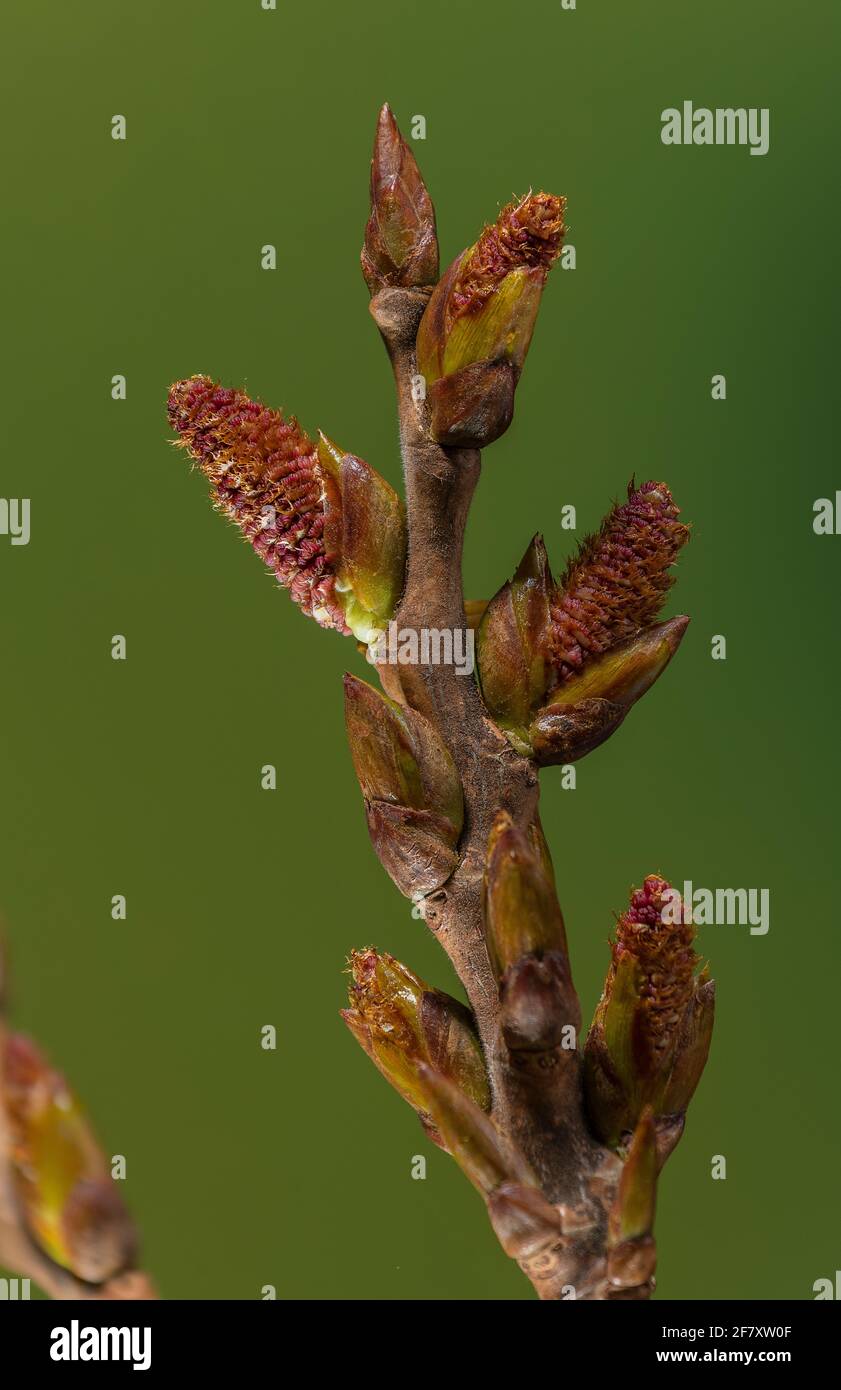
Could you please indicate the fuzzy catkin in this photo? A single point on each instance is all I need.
(619, 579)
(265, 476)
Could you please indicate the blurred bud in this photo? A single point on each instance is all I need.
(482, 1153)
(131, 1286)
(618, 581)
(476, 330)
(651, 1032)
(328, 526)
(632, 1254)
(400, 247)
(513, 643)
(586, 709)
(413, 796)
(401, 1022)
(67, 1197)
(98, 1230)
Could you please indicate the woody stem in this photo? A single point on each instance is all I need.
(541, 1112)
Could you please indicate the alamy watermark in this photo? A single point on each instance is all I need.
(718, 907)
(79, 1342)
(424, 646)
(14, 519)
(15, 1289)
(724, 125)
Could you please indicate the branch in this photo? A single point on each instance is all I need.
(564, 1149)
(537, 1097)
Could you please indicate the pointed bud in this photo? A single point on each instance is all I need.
(401, 1022)
(526, 940)
(477, 327)
(618, 581)
(650, 1035)
(63, 1183)
(412, 792)
(471, 1137)
(400, 247)
(328, 526)
(522, 913)
(512, 646)
(632, 1255)
(586, 709)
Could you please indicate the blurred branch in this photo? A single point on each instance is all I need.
(52, 1169)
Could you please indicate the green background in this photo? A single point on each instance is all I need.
(141, 777)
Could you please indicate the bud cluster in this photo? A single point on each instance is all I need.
(405, 1025)
(650, 1036)
(561, 664)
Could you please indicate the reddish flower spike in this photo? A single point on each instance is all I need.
(619, 579)
(265, 475)
(527, 233)
(665, 956)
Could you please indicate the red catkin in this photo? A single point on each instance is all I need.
(265, 476)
